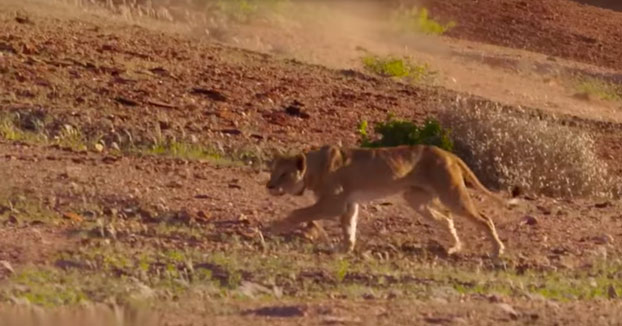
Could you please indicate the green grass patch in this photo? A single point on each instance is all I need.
(123, 273)
(599, 88)
(402, 68)
(10, 131)
(418, 20)
(394, 132)
(183, 150)
(24, 208)
(50, 287)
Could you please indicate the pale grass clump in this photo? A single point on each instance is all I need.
(90, 314)
(540, 157)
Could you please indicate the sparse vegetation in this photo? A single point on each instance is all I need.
(243, 11)
(183, 150)
(541, 157)
(599, 88)
(9, 130)
(415, 19)
(140, 221)
(395, 132)
(402, 68)
(71, 137)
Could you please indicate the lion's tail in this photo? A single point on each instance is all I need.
(472, 178)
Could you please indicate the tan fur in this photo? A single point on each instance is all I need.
(430, 179)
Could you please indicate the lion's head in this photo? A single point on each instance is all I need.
(287, 175)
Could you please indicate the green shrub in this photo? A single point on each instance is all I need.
(418, 20)
(395, 132)
(599, 88)
(396, 67)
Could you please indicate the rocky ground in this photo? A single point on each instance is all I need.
(131, 171)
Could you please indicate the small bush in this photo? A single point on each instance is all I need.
(396, 67)
(599, 88)
(183, 150)
(243, 11)
(540, 157)
(395, 132)
(418, 20)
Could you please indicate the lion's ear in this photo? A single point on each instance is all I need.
(301, 162)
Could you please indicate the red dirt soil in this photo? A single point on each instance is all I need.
(560, 28)
(121, 82)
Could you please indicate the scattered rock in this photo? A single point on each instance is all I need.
(6, 47)
(211, 94)
(174, 184)
(126, 101)
(513, 202)
(394, 294)
(110, 159)
(251, 289)
(493, 298)
(603, 239)
(530, 220)
(439, 320)
(603, 204)
(235, 132)
(24, 20)
(111, 211)
(611, 292)
(544, 210)
(295, 109)
(332, 320)
(444, 293)
(6, 266)
(98, 148)
(584, 96)
(13, 219)
(161, 104)
(73, 217)
(234, 186)
(67, 264)
(202, 215)
(141, 291)
(509, 310)
(279, 311)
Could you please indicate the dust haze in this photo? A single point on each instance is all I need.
(330, 33)
(339, 33)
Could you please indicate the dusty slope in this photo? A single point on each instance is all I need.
(129, 85)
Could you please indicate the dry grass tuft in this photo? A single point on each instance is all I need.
(540, 157)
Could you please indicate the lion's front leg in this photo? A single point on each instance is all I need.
(325, 208)
(349, 220)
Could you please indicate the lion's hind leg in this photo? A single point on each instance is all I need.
(460, 203)
(421, 201)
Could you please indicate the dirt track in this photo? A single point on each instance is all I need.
(65, 208)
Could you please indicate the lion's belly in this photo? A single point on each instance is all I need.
(369, 195)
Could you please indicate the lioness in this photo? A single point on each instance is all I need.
(341, 179)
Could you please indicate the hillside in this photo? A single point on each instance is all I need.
(132, 155)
